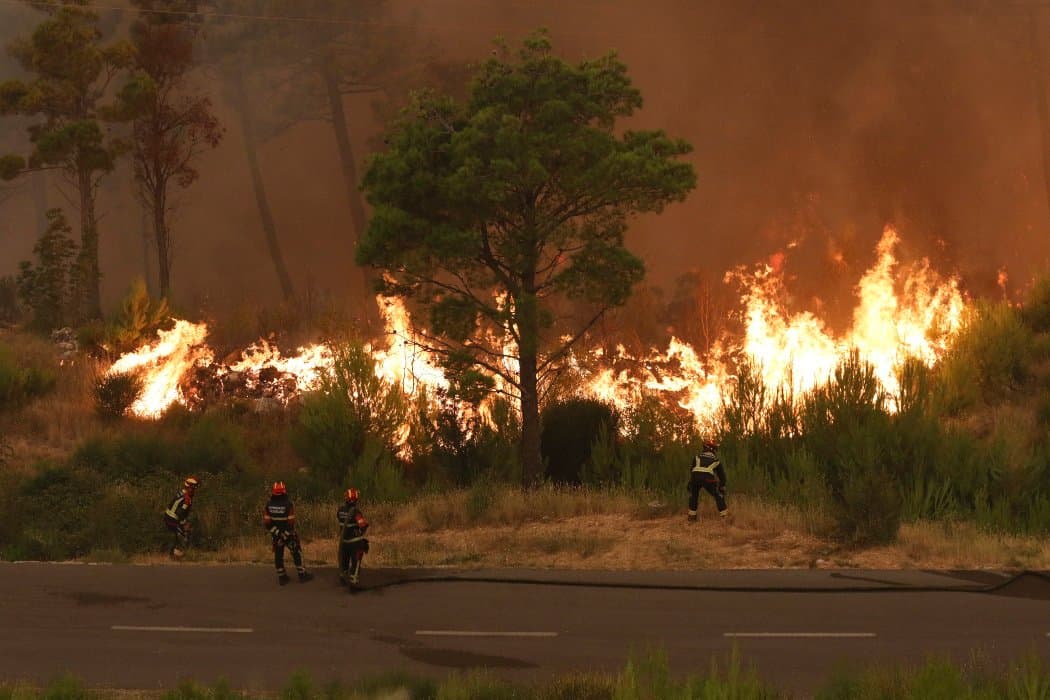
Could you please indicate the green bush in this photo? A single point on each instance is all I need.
(10, 309)
(448, 447)
(569, 431)
(1036, 309)
(54, 508)
(989, 357)
(115, 393)
(19, 384)
(139, 319)
(353, 407)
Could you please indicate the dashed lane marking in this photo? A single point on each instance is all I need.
(228, 630)
(481, 633)
(804, 635)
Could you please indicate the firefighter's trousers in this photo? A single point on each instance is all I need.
(707, 482)
(291, 541)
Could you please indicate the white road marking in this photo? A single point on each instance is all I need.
(836, 635)
(229, 630)
(480, 633)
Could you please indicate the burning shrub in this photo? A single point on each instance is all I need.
(114, 393)
(352, 406)
(569, 431)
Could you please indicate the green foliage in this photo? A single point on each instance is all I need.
(491, 213)
(18, 383)
(570, 429)
(139, 319)
(450, 448)
(10, 308)
(47, 287)
(209, 444)
(115, 393)
(989, 357)
(69, 71)
(1036, 309)
(353, 409)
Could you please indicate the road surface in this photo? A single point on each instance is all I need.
(146, 627)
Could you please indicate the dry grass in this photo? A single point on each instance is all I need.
(588, 529)
(51, 426)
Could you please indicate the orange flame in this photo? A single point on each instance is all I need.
(901, 312)
(163, 364)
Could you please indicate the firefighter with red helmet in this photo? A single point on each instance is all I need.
(352, 542)
(279, 521)
(177, 516)
(709, 475)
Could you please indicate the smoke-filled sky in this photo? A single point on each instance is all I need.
(812, 122)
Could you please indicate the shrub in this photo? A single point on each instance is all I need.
(139, 319)
(851, 436)
(10, 309)
(115, 393)
(989, 356)
(54, 511)
(352, 407)
(1036, 309)
(569, 431)
(20, 384)
(49, 288)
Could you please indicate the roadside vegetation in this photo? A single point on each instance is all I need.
(957, 477)
(645, 676)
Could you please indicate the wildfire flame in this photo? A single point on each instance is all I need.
(901, 312)
(163, 364)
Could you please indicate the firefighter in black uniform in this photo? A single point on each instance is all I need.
(177, 516)
(279, 521)
(707, 474)
(352, 542)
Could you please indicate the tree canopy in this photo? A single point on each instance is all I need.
(503, 215)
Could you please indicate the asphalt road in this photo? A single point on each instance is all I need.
(150, 627)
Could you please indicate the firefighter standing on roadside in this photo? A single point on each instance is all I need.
(352, 542)
(279, 521)
(707, 474)
(177, 516)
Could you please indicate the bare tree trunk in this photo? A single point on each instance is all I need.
(261, 199)
(362, 288)
(147, 253)
(1040, 95)
(89, 276)
(528, 349)
(531, 458)
(160, 233)
(39, 185)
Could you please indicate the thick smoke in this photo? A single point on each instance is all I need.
(814, 125)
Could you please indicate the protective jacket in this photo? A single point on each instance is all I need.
(279, 515)
(179, 509)
(352, 524)
(708, 468)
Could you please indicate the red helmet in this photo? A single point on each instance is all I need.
(191, 483)
(278, 489)
(352, 495)
(710, 444)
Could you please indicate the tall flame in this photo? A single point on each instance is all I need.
(163, 364)
(901, 312)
